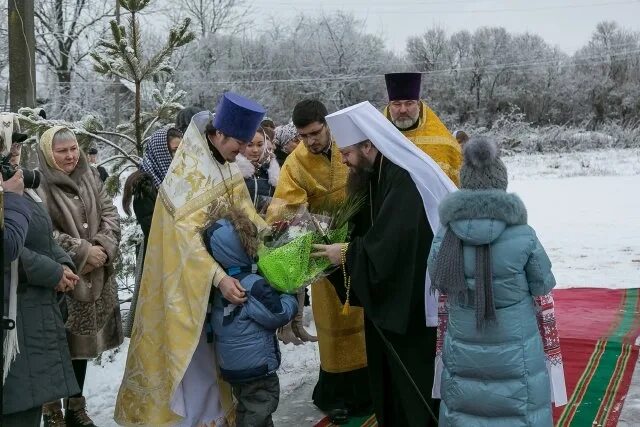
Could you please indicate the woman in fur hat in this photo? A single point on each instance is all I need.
(260, 170)
(489, 262)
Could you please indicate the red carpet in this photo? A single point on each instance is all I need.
(598, 329)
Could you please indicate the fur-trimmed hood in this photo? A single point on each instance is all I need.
(479, 217)
(248, 170)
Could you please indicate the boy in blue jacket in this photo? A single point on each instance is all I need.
(245, 335)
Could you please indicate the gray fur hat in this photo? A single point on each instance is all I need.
(482, 168)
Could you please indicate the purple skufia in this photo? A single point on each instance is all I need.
(403, 86)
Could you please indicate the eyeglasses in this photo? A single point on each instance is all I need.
(311, 134)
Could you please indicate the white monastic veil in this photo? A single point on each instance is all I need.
(432, 183)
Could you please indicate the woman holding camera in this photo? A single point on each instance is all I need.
(87, 227)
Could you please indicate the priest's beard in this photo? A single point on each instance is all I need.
(358, 180)
(406, 122)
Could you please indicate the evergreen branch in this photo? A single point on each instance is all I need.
(134, 6)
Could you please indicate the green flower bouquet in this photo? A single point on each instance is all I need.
(284, 260)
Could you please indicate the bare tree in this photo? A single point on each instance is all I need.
(608, 66)
(67, 31)
(429, 51)
(4, 41)
(214, 16)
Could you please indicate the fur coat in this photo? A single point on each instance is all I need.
(83, 215)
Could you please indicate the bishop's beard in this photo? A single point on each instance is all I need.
(358, 181)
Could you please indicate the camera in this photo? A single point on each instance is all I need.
(31, 177)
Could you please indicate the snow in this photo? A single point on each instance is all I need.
(590, 226)
(585, 209)
(568, 165)
(299, 367)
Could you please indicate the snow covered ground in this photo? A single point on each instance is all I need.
(586, 210)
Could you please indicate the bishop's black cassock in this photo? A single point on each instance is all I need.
(387, 263)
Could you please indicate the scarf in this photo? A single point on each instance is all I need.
(157, 159)
(46, 145)
(449, 277)
(284, 134)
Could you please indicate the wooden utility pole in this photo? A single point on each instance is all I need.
(22, 54)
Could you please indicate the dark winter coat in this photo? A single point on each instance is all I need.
(261, 181)
(281, 155)
(104, 175)
(144, 202)
(42, 371)
(496, 376)
(17, 214)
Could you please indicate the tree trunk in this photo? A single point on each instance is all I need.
(22, 63)
(138, 83)
(138, 124)
(64, 80)
(478, 82)
(117, 85)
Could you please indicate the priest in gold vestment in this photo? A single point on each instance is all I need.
(171, 377)
(314, 175)
(419, 124)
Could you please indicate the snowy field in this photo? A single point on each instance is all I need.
(586, 210)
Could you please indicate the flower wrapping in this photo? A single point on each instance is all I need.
(289, 266)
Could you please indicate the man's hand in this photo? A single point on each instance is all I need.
(332, 252)
(232, 290)
(15, 184)
(97, 256)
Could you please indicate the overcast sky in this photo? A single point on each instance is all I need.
(565, 23)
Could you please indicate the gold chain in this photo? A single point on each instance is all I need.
(346, 309)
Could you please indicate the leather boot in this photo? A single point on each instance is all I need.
(296, 323)
(286, 335)
(52, 415)
(76, 413)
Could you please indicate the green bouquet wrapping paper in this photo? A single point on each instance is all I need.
(289, 267)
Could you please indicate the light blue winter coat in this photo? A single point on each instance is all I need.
(496, 377)
(245, 335)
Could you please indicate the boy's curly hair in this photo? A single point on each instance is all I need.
(247, 231)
